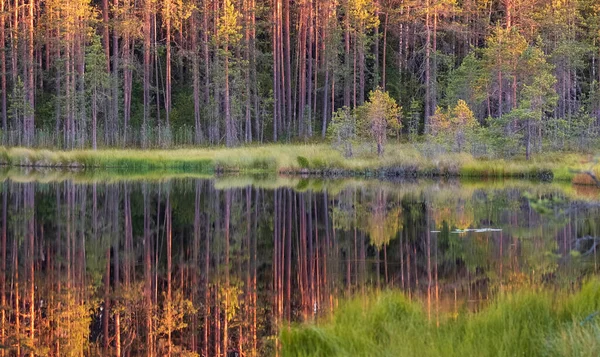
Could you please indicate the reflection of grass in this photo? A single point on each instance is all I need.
(525, 323)
(96, 176)
(399, 159)
(445, 189)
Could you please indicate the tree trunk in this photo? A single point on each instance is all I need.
(167, 19)
(229, 134)
(114, 129)
(196, 79)
(29, 126)
(127, 78)
(3, 70)
(288, 66)
(428, 102)
(147, 71)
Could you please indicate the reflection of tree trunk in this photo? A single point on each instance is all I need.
(117, 268)
(29, 206)
(169, 301)
(106, 312)
(226, 287)
(196, 265)
(17, 298)
(3, 267)
(248, 268)
(207, 287)
(148, 273)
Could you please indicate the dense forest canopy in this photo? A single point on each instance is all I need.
(81, 73)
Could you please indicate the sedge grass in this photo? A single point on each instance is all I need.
(398, 159)
(524, 323)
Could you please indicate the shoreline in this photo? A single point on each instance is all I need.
(309, 160)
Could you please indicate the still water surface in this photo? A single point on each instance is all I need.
(149, 267)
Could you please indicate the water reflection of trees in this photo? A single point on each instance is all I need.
(180, 268)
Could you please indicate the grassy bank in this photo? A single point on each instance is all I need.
(540, 323)
(316, 159)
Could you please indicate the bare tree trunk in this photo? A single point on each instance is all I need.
(309, 76)
(196, 78)
(229, 130)
(247, 49)
(347, 55)
(127, 77)
(288, 66)
(428, 102)
(147, 72)
(385, 26)
(115, 83)
(29, 126)
(3, 69)
(167, 20)
(276, 74)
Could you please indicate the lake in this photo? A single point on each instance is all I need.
(151, 265)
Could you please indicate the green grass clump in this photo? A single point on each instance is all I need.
(523, 323)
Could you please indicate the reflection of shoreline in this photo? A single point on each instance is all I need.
(274, 181)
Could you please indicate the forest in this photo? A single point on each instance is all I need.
(499, 75)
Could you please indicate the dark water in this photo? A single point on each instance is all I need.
(184, 266)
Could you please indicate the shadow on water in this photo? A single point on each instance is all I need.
(173, 263)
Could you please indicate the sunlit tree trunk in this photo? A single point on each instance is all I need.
(127, 73)
(29, 125)
(113, 130)
(428, 101)
(3, 75)
(196, 78)
(167, 20)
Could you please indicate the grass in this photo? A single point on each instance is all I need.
(316, 159)
(525, 323)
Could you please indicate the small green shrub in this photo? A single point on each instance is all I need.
(302, 162)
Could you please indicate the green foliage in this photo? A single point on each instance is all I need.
(373, 121)
(302, 162)
(229, 27)
(174, 314)
(413, 119)
(467, 82)
(381, 117)
(454, 128)
(535, 323)
(343, 130)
